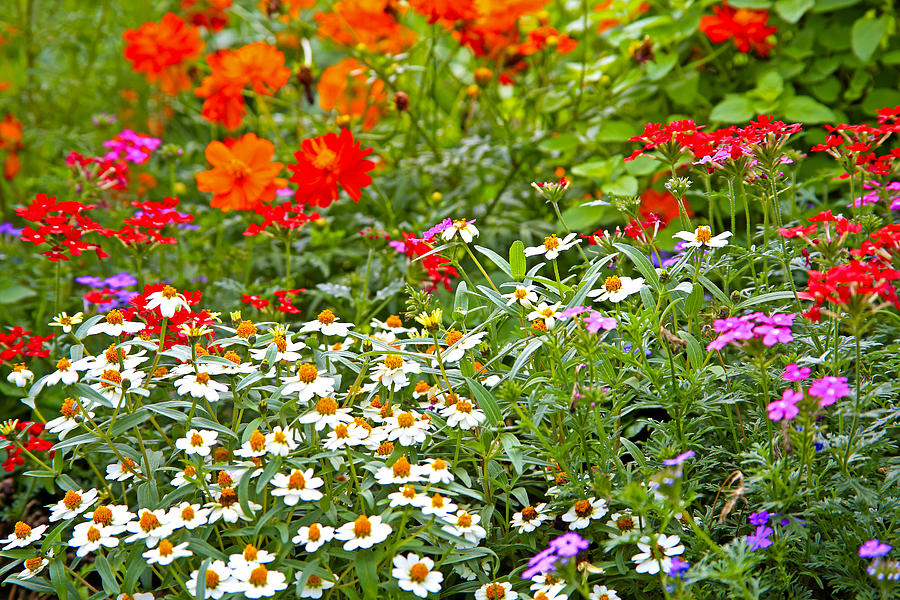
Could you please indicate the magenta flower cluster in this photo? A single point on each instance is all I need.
(827, 390)
(771, 330)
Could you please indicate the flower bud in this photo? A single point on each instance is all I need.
(401, 101)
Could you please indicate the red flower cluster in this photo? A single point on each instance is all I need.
(438, 268)
(644, 231)
(209, 14)
(21, 342)
(329, 161)
(60, 226)
(284, 303)
(285, 216)
(33, 444)
(146, 226)
(100, 173)
(546, 37)
(854, 145)
(747, 27)
(159, 50)
(854, 286)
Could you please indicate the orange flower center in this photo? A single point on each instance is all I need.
(703, 234)
(341, 432)
(405, 419)
(259, 576)
(422, 387)
(362, 527)
(314, 532)
(227, 497)
(313, 582)
(539, 325)
(464, 520)
(102, 515)
(279, 437)
(385, 449)
(250, 552)
(521, 293)
(187, 513)
(110, 378)
(196, 439)
(190, 471)
(495, 591)
(402, 468)
(237, 169)
(33, 564)
(246, 329)
(22, 530)
(387, 411)
(625, 523)
(408, 491)
(460, 224)
(453, 336)
(326, 317)
(169, 292)
(437, 501)
(393, 321)
(212, 579)
(296, 481)
(225, 479)
(63, 364)
(280, 343)
(327, 406)
(149, 522)
(529, 513)
(307, 372)
(202, 378)
(418, 572)
(392, 361)
(540, 596)
(72, 500)
(93, 534)
(113, 354)
(551, 242)
(325, 159)
(233, 357)
(127, 464)
(257, 441)
(69, 409)
(612, 283)
(438, 464)
(464, 406)
(115, 317)
(583, 508)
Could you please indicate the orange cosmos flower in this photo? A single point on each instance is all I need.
(285, 10)
(159, 50)
(11, 131)
(662, 204)
(243, 176)
(209, 14)
(371, 23)
(346, 88)
(748, 28)
(329, 161)
(542, 37)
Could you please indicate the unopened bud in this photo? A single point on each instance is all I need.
(401, 101)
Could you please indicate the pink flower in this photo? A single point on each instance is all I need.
(786, 408)
(794, 373)
(829, 390)
(596, 321)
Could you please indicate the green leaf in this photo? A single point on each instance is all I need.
(513, 448)
(496, 259)
(58, 578)
(866, 35)
(614, 131)
(15, 293)
(733, 109)
(807, 110)
(642, 263)
(792, 10)
(367, 573)
(461, 299)
(486, 401)
(763, 298)
(517, 263)
(597, 169)
(106, 575)
(559, 142)
(643, 165)
(623, 186)
(660, 66)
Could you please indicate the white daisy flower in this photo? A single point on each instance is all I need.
(66, 322)
(584, 511)
(530, 518)
(326, 414)
(343, 436)
(623, 522)
(363, 532)
(227, 507)
(166, 553)
(121, 472)
(218, 580)
(71, 416)
(408, 428)
(405, 496)
(415, 574)
(523, 294)
(112, 516)
(169, 301)
(601, 592)
(544, 583)
(66, 372)
(73, 504)
(702, 237)
(254, 446)
(286, 350)
(393, 370)
(400, 472)
(393, 324)
(187, 515)
(466, 526)
(33, 567)
(656, 553)
(616, 289)
(151, 526)
(314, 586)
(500, 590)
(20, 376)
(114, 357)
(197, 441)
(23, 535)
(466, 230)
(299, 485)
(682, 518)
(313, 536)
(308, 381)
(188, 476)
(436, 504)
(110, 383)
(200, 385)
(545, 312)
(463, 414)
(328, 324)
(457, 345)
(261, 583)
(437, 471)
(552, 246)
(243, 563)
(281, 441)
(115, 325)
(89, 537)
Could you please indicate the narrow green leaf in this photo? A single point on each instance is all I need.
(642, 263)
(486, 401)
(461, 299)
(496, 259)
(517, 260)
(106, 575)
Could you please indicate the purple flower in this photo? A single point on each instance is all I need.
(794, 373)
(94, 282)
(569, 544)
(760, 518)
(540, 563)
(760, 539)
(131, 147)
(572, 311)
(829, 390)
(596, 321)
(398, 246)
(678, 568)
(786, 408)
(874, 548)
(439, 228)
(121, 280)
(671, 462)
(8, 229)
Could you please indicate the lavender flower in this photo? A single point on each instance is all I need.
(760, 539)
(8, 229)
(874, 549)
(770, 330)
(569, 544)
(596, 321)
(671, 462)
(760, 518)
(678, 568)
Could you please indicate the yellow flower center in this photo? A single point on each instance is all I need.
(227, 497)
(33, 564)
(612, 283)
(113, 354)
(529, 513)
(327, 406)
(190, 471)
(464, 520)
(438, 464)
(393, 321)
(233, 357)
(583, 508)
(313, 582)
(418, 572)
(463, 406)
(224, 479)
(625, 523)
(237, 168)
(69, 409)
(453, 336)
(110, 378)
(551, 242)
(196, 439)
(65, 320)
(102, 515)
(362, 527)
(406, 419)
(314, 532)
(22, 530)
(408, 491)
(422, 387)
(166, 548)
(72, 500)
(212, 579)
(250, 552)
(460, 224)
(326, 317)
(245, 329)
(257, 441)
(187, 513)
(115, 317)
(385, 449)
(437, 501)
(259, 576)
(495, 591)
(547, 312)
(324, 159)
(402, 468)
(93, 534)
(148, 521)
(392, 361)
(520, 293)
(279, 437)
(341, 431)
(296, 481)
(63, 364)
(169, 292)
(202, 378)
(280, 343)
(703, 234)
(307, 372)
